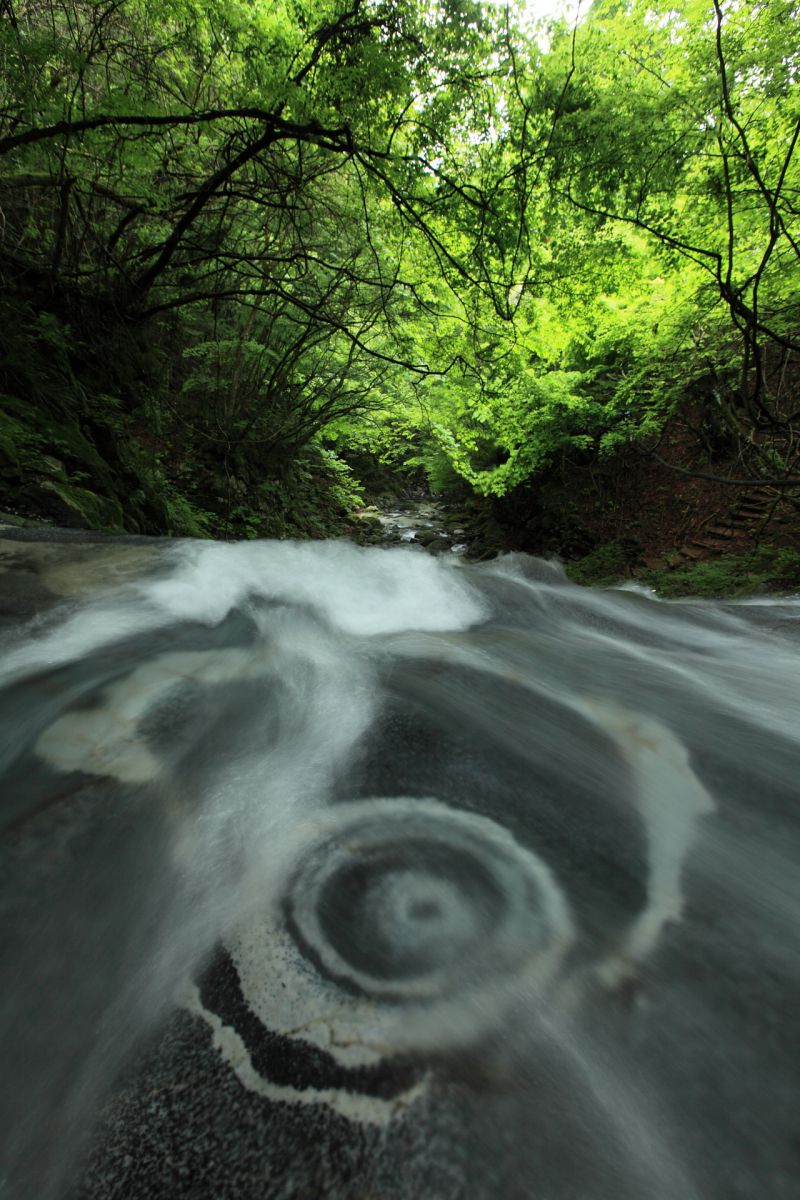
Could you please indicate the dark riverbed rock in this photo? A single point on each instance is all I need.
(489, 900)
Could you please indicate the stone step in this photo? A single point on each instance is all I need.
(709, 543)
(750, 506)
(692, 550)
(751, 520)
(722, 531)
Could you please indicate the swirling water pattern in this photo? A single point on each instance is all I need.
(353, 873)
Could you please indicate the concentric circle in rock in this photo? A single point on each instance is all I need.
(412, 901)
(404, 925)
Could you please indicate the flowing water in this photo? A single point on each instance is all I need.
(357, 873)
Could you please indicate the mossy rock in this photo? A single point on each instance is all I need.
(29, 427)
(85, 509)
(603, 567)
(770, 568)
(18, 445)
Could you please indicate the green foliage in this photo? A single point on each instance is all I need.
(766, 569)
(603, 567)
(19, 444)
(436, 461)
(424, 233)
(692, 115)
(312, 494)
(344, 491)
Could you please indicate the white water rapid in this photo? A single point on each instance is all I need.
(354, 874)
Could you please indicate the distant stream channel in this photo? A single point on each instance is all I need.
(333, 873)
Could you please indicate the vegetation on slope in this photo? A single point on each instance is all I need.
(244, 245)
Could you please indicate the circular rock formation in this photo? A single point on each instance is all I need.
(407, 900)
(397, 927)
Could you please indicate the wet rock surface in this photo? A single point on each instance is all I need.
(359, 874)
(422, 522)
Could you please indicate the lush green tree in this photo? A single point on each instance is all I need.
(233, 230)
(681, 122)
(264, 187)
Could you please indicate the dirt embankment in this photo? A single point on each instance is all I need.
(670, 520)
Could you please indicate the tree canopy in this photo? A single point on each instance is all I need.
(241, 235)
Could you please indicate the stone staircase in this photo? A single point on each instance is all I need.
(735, 530)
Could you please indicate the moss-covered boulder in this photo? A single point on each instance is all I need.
(84, 509)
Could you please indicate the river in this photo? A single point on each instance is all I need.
(363, 874)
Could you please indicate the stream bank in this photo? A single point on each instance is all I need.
(618, 521)
(420, 521)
